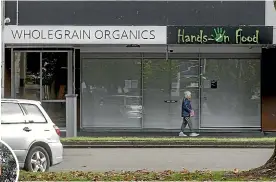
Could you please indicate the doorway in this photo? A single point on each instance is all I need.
(45, 76)
(268, 91)
(165, 79)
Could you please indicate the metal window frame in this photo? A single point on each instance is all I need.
(70, 71)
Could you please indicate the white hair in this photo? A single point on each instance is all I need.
(187, 94)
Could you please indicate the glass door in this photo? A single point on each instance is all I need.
(184, 76)
(43, 76)
(164, 83)
(54, 85)
(156, 91)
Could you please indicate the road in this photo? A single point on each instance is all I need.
(161, 159)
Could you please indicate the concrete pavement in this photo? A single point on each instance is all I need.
(104, 159)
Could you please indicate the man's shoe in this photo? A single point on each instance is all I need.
(182, 134)
(194, 134)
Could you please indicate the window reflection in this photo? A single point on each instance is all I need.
(27, 75)
(54, 75)
(111, 91)
(11, 113)
(56, 111)
(236, 100)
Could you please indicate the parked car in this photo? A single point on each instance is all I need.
(29, 131)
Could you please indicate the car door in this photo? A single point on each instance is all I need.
(13, 129)
(37, 123)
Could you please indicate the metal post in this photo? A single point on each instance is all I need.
(142, 90)
(74, 71)
(2, 71)
(70, 72)
(71, 101)
(13, 92)
(199, 89)
(17, 12)
(71, 115)
(22, 73)
(3, 48)
(41, 90)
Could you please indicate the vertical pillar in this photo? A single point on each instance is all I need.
(2, 74)
(142, 89)
(71, 115)
(71, 100)
(13, 92)
(22, 66)
(41, 87)
(70, 72)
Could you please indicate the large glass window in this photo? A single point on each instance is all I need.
(111, 92)
(131, 92)
(54, 75)
(27, 75)
(148, 92)
(42, 76)
(230, 93)
(54, 85)
(56, 111)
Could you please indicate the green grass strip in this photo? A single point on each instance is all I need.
(175, 139)
(141, 175)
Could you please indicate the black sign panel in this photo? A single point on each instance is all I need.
(220, 35)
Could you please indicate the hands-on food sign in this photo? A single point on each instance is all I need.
(220, 35)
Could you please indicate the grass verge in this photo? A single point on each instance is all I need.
(141, 175)
(269, 140)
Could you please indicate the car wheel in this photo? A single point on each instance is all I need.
(37, 160)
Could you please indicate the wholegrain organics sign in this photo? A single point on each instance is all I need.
(85, 34)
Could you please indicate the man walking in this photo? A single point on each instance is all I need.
(187, 112)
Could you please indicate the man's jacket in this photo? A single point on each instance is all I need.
(186, 108)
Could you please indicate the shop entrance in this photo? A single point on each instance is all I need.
(145, 90)
(137, 90)
(46, 76)
(164, 82)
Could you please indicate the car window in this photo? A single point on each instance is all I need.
(33, 113)
(11, 113)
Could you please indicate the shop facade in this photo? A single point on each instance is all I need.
(133, 77)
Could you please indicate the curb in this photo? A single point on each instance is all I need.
(166, 144)
(169, 146)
